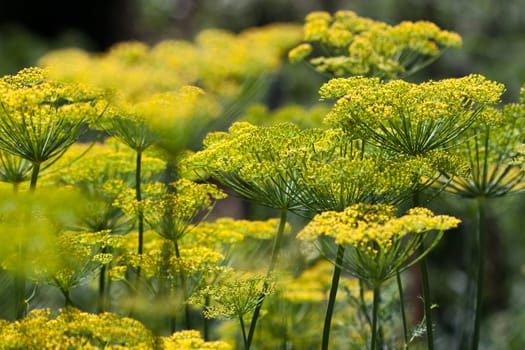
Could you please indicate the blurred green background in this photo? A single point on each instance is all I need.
(493, 32)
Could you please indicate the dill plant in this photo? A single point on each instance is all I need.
(39, 119)
(377, 244)
(492, 152)
(345, 44)
(421, 122)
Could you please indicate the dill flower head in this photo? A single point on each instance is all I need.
(256, 162)
(40, 118)
(409, 118)
(77, 256)
(493, 154)
(172, 210)
(345, 44)
(235, 295)
(377, 242)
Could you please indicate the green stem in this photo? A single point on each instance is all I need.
(332, 297)
(364, 308)
(273, 260)
(20, 293)
(140, 214)
(243, 330)
(426, 301)
(482, 235)
(425, 287)
(101, 289)
(375, 318)
(20, 277)
(67, 298)
(402, 305)
(34, 176)
(184, 287)
(206, 321)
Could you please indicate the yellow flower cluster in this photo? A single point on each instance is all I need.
(235, 294)
(190, 340)
(353, 45)
(76, 257)
(40, 118)
(221, 61)
(257, 162)
(410, 118)
(258, 114)
(171, 210)
(75, 329)
(89, 164)
(311, 286)
(380, 243)
(227, 230)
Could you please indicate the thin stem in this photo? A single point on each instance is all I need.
(20, 293)
(20, 278)
(402, 305)
(140, 214)
(34, 176)
(425, 287)
(364, 308)
(184, 287)
(273, 260)
(243, 330)
(482, 234)
(426, 301)
(375, 318)
(206, 321)
(101, 289)
(333, 294)
(67, 298)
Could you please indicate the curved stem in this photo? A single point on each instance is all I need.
(425, 287)
(375, 318)
(482, 234)
(273, 260)
(402, 305)
(426, 301)
(333, 294)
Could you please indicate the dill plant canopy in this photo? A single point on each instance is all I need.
(494, 156)
(172, 209)
(378, 243)
(41, 118)
(407, 118)
(346, 44)
(259, 163)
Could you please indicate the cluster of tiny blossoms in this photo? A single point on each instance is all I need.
(40, 118)
(353, 45)
(380, 242)
(136, 69)
(410, 118)
(74, 329)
